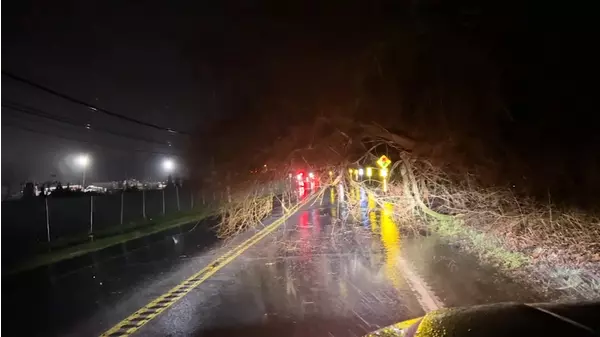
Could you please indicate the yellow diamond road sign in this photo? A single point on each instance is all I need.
(383, 161)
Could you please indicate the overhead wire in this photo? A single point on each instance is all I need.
(24, 109)
(24, 128)
(88, 105)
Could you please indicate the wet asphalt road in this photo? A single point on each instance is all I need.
(317, 275)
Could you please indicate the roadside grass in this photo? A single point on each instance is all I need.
(80, 245)
(487, 247)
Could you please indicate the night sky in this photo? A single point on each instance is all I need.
(124, 57)
(191, 66)
(178, 66)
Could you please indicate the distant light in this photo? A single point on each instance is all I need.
(369, 172)
(383, 172)
(350, 170)
(168, 165)
(330, 173)
(290, 175)
(265, 165)
(82, 160)
(299, 176)
(361, 172)
(88, 126)
(311, 175)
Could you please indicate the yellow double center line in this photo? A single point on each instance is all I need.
(139, 318)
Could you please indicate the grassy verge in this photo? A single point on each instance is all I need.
(81, 245)
(487, 247)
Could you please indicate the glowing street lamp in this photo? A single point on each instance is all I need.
(83, 161)
(168, 165)
(369, 172)
(361, 172)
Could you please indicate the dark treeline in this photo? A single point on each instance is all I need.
(504, 90)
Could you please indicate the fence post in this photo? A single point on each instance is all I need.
(47, 218)
(191, 199)
(144, 203)
(122, 196)
(92, 216)
(163, 201)
(177, 193)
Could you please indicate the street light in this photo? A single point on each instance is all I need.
(83, 161)
(168, 165)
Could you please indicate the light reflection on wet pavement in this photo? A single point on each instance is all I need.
(323, 274)
(319, 276)
(327, 271)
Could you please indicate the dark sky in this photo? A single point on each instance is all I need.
(186, 66)
(181, 66)
(127, 57)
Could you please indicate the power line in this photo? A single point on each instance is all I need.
(42, 114)
(85, 141)
(88, 105)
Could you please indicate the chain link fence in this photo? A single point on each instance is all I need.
(29, 226)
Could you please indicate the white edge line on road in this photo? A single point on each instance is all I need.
(425, 296)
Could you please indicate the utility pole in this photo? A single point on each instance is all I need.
(83, 179)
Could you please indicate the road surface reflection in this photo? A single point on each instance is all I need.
(326, 267)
